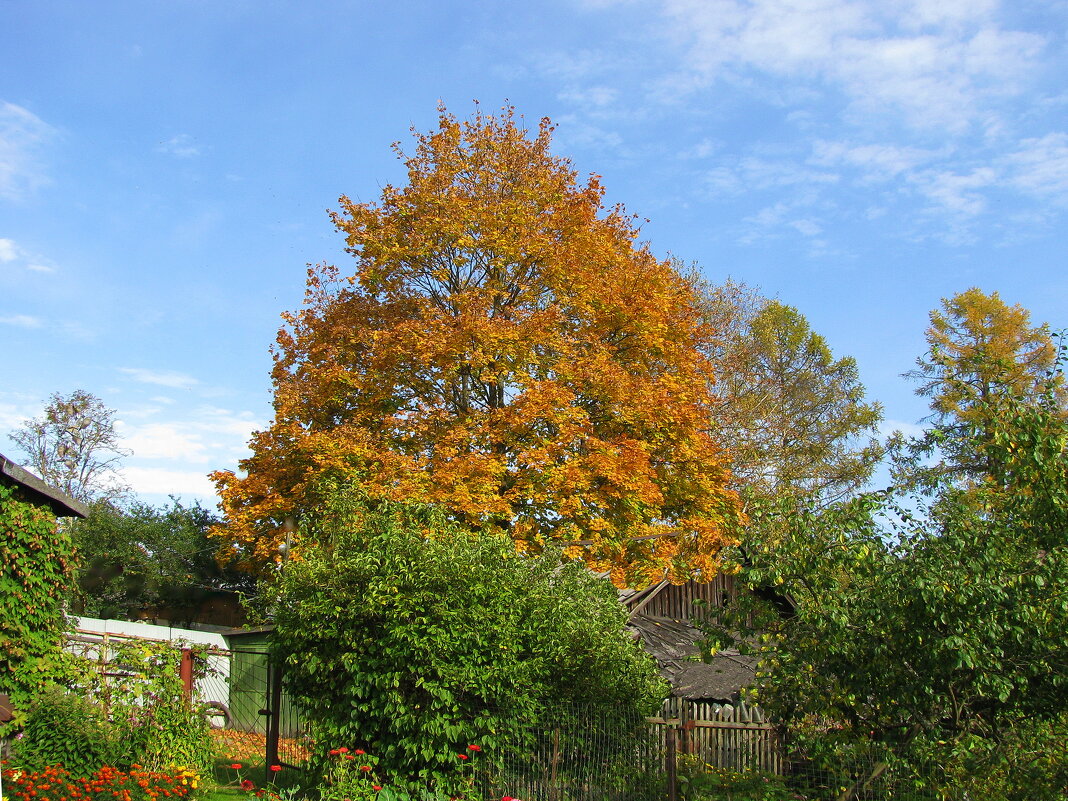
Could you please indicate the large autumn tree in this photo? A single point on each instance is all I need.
(504, 348)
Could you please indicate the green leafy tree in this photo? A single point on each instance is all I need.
(794, 417)
(74, 447)
(147, 559)
(412, 638)
(938, 645)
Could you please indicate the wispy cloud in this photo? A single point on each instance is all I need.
(1039, 167)
(22, 321)
(12, 253)
(200, 435)
(22, 136)
(934, 66)
(181, 146)
(9, 251)
(888, 428)
(163, 378)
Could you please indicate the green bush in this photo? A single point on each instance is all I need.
(138, 715)
(66, 729)
(700, 782)
(413, 638)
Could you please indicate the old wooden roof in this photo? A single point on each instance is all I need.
(61, 504)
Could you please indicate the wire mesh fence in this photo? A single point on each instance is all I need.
(574, 754)
(577, 755)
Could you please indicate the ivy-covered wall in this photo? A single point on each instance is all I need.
(35, 560)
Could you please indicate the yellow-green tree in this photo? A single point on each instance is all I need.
(795, 417)
(981, 350)
(505, 349)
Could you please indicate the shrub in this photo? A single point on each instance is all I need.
(412, 638)
(138, 715)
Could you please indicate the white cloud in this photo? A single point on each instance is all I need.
(181, 146)
(22, 134)
(163, 378)
(956, 192)
(164, 481)
(876, 162)
(9, 251)
(756, 173)
(806, 227)
(1040, 167)
(887, 428)
(590, 96)
(575, 65)
(931, 65)
(178, 441)
(201, 435)
(22, 321)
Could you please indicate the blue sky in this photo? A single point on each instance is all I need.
(166, 170)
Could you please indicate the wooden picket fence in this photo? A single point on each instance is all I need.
(737, 736)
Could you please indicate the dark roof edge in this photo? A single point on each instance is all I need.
(62, 504)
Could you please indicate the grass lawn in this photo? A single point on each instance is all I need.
(224, 794)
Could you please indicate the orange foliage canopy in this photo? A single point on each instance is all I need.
(506, 350)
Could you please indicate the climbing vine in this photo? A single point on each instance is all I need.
(35, 561)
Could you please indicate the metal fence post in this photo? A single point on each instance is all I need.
(185, 671)
(274, 716)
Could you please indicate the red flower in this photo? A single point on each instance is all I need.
(376, 787)
(462, 756)
(276, 768)
(349, 756)
(359, 751)
(474, 748)
(365, 768)
(343, 750)
(507, 798)
(236, 766)
(248, 785)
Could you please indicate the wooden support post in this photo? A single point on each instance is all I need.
(669, 766)
(185, 670)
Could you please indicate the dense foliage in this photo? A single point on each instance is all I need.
(412, 638)
(35, 560)
(505, 350)
(938, 644)
(128, 711)
(147, 559)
